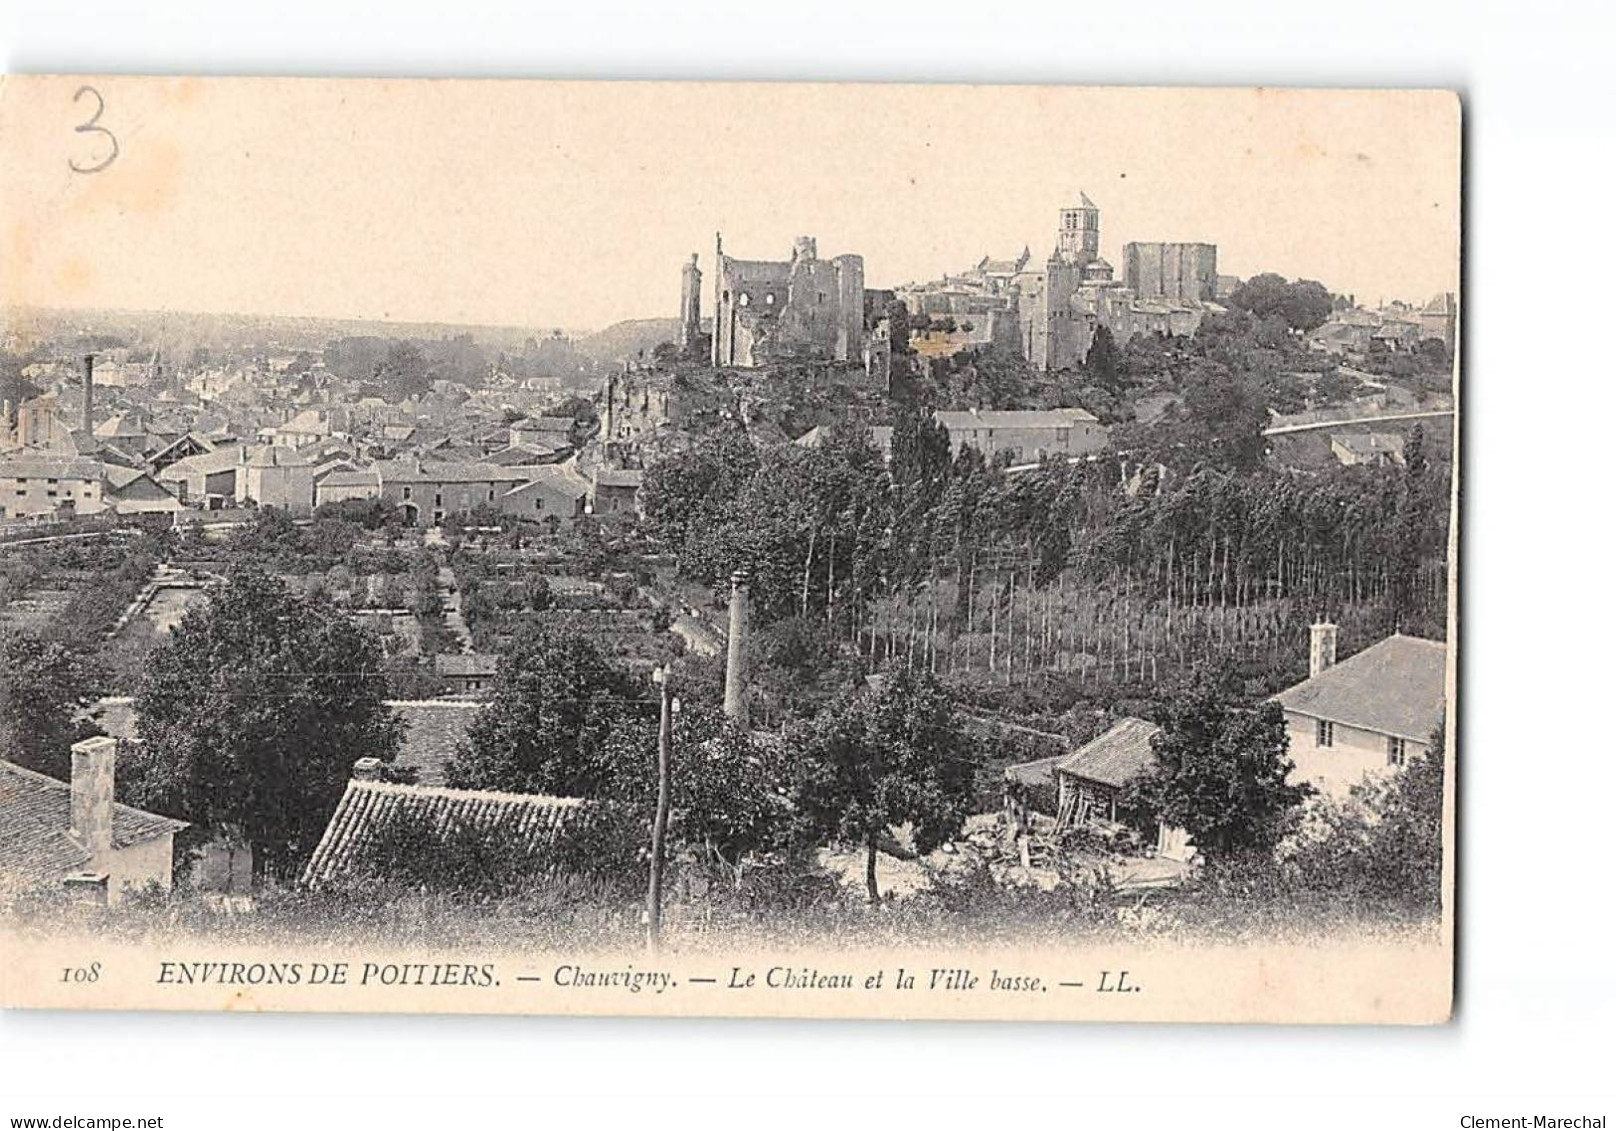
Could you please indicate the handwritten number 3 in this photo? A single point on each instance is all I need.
(92, 127)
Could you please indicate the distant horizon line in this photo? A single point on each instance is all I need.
(10, 307)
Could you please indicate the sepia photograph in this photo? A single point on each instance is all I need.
(729, 549)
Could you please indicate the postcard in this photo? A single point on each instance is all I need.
(728, 549)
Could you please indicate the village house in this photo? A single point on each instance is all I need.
(340, 485)
(74, 836)
(617, 490)
(432, 490)
(206, 480)
(546, 431)
(468, 673)
(127, 490)
(548, 491)
(1026, 436)
(1367, 449)
(373, 814)
(1367, 715)
(1090, 784)
(40, 483)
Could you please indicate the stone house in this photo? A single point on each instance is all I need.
(40, 483)
(546, 491)
(1027, 436)
(73, 834)
(431, 490)
(468, 673)
(1367, 715)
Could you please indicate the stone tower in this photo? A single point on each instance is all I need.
(1080, 231)
(690, 304)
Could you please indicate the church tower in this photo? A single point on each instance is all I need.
(1080, 232)
(690, 305)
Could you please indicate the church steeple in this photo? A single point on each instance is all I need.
(1079, 241)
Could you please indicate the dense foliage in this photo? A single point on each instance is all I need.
(884, 756)
(1221, 771)
(252, 714)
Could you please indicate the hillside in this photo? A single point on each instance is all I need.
(629, 339)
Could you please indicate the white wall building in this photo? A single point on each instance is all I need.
(1366, 715)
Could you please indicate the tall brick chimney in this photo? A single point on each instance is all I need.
(735, 667)
(88, 423)
(1321, 647)
(90, 805)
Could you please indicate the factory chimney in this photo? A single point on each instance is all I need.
(1321, 647)
(88, 423)
(735, 668)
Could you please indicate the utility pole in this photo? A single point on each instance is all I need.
(659, 830)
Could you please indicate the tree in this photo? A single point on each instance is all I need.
(880, 757)
(47, 686)
(252, 714)
(684, 487)
(1104, 362)
(1307, 304)
(1221, 769)
(1304, 304)
(403, 372)
(1222, 419)
(1384, 845)
(730, 793)
(556, 700)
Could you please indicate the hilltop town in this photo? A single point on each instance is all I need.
(1018, 599)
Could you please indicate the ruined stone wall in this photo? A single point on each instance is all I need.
(804, 308)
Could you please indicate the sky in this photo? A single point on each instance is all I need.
(576, 204)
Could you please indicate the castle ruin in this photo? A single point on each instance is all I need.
(801, 308)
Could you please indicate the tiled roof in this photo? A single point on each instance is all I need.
(1040, 771)
(35, 814)
(32, 466)
(204, 463)
(118, 476)
(121, 424)
(1397, 687)
(517, 824)
(433, 730)
(609, 477)
(445, 471)
(525, 452)
(467, 663)
(276, 455)
(1011, 418)
(1114, 758)
(550, 475)
(362, 478)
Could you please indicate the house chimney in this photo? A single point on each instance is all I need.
(89, 394)
(735, 668)
(367, 769)
(1321, 648)
(90, 804)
